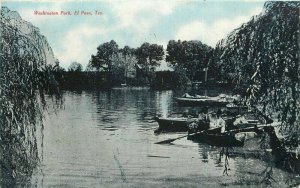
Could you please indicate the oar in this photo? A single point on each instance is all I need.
(170, 140)
(173, 139)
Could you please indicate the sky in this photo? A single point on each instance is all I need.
(132, 22)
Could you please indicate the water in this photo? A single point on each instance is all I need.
(106, 139)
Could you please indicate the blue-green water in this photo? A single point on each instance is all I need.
(106, 139)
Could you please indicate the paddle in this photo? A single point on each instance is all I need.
(170, 140)
(173, 139)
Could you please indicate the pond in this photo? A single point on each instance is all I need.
(106, 139)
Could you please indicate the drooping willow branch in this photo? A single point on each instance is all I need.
(23, 83)
(262, 57)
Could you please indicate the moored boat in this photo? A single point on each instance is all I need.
(233, 108)
(229, 138)
(188, 100)
(216, 139)
(179, 124)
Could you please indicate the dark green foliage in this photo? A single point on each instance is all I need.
(102, 59)
(190, 57)
(75, 67)
(127, 51)
(262, 59)
(149, 55)
(24, 78)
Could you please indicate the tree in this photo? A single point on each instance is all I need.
(149, 55)
(102, 59)
(127, 51)
(122, 63)
(190, 57)
(263, 56)
(24, 79)
(75, 67)
(129, 59)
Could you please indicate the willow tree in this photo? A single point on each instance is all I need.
(262, 57)
(23, 81)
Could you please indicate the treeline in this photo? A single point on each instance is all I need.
(112, 66)
(187, 61)
(255, 57)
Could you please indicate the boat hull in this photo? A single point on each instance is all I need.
(219, 139)
(237, 109)
(200, 102)
(172, 125)
(178, 124)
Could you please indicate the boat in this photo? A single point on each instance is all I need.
(229, 138)
(188, 100)
(234, 108)
(178, 124)
(214, 137)
(198, 125)
(245, 121)
(229, 120)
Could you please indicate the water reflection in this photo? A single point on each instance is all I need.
(106, 139)
(254, 168)
(163, 101)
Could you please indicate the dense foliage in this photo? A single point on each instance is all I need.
(191, 57)
(149, 55)
(124, 63)
(75, 67)
(24, 79)
(262, 58)
(102, 59)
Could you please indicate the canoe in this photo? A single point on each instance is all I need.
(199, 100)
(227, 139)
(208, 101)
(179, 124)
(172, 124)
(214, 137)
(236, 108)
(245, 121)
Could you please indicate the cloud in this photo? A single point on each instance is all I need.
(79, 44)
(212, 33)
(128, 22)
(141, 15)
(128, 11)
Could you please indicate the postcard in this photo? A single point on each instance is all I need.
(149, 93)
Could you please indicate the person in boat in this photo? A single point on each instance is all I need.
(201, 116)
(200, 124)
(221, 123)
(204, 114)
